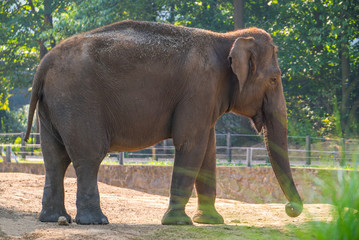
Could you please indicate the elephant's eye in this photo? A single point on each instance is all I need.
(273, 81)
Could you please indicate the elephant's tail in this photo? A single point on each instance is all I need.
(36, 91)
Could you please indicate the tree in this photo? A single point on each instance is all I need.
(211, 14)
(238, 13)
(319, 60)
(317, 40)
(25, 33)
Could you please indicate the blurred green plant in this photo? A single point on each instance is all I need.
(12, 122)
(344, 195)
(28, 148)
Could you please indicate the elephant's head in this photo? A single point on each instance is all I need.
(260, 97)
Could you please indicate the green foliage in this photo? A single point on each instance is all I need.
(312, 38)
(212, 15)
(13, 121)
(25, 27)
(9, 122)
(317, 40)
(27, 149)
(345, 197)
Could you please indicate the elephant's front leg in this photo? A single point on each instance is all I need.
(206, 186)
(188, 160)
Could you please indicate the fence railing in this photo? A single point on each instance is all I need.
(236, 149)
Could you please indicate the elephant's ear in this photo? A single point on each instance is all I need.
(242, 59)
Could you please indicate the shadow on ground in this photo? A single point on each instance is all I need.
(24, 225)
(137, 215)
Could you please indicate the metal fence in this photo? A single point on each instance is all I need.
(232, 149)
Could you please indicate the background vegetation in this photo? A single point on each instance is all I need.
(318, 50)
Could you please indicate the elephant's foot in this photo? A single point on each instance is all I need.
(176, 217)
(51, 214)
(87, 217)
(208, 217)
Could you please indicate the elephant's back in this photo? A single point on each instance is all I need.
(148, 40)
(152, 30)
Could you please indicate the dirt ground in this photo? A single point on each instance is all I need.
(136, 215)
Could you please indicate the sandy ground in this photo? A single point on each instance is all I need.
(136, 215)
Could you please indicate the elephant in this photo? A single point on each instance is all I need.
(128, 85)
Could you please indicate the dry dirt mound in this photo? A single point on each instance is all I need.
(137, 215)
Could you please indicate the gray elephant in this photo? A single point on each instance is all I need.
(129, 85)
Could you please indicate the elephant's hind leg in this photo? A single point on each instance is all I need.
(56, 162)
(87, 145)
(88, 198)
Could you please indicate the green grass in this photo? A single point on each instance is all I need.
(323, 167)
(108, 161)
(344, 194)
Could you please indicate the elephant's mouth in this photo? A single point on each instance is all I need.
(257, 121)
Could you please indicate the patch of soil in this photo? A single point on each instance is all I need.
(137, 215)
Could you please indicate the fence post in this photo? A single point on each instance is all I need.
(13, 154)
(342, 152)
(32, 141)
(249, 157)
(154, 157)
(267, 160)
(8, 154)
(23, 148)
(229, 147)
(307, 150)
(165, 147)
(120, 157)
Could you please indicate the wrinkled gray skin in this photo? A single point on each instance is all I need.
(129, 85)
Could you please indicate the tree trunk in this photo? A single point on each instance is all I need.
(345, 67)
(171, 17)
(153, 11)
(47, 24)
(238, 14)
(43, 50)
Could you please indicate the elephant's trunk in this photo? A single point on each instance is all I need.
(275, 134)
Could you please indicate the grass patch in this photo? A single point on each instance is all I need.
(324, 167)
(344, 194)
